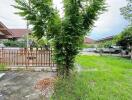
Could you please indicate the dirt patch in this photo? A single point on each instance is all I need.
(20, 85)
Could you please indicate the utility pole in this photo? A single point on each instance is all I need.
(27, 34)
(28, 29)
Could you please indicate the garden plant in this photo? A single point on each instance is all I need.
(67, 31)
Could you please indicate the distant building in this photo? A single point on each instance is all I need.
(88, 40)
(6, 33)
(19, 33)
(105, 39)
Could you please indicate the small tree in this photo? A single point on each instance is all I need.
(67, 32)
(108, 43)
(125, 39)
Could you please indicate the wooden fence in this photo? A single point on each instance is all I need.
(26, 57)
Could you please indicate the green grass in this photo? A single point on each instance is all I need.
(87, 46)
(104, 62)
(2, 67)
(112, 80)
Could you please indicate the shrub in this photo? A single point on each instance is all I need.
(14, 43)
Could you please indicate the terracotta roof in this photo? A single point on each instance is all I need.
(19, 33)
(88, 40)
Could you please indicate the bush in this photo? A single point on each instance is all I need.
(14, 43)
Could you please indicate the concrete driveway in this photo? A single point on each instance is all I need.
(21, 85)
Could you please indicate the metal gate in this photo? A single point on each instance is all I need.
(26, 57)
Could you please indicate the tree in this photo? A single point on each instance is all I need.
(127, 11)
(125, 39)
(42, 42)
(67, 32)
(107, 44)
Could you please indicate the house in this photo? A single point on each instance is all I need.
(19, 33)
(5, 33)
(105, 39)
(88, 40)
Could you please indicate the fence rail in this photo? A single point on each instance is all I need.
(26, 57)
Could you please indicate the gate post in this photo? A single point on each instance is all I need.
(2, 57)
(25, 54)
(30, 56)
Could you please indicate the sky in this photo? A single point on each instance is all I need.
(109, 23)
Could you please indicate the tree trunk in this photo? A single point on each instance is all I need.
(131, 52)
(101, 52)
(121, 53)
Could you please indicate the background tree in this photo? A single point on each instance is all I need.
(125, 40)
(43, 42)
(127, 11)
(67, 32)
(108, 43)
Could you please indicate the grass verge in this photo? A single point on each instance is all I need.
(3, 67)
(115, 83)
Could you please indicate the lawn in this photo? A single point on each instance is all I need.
(2, 67)
(100, 78)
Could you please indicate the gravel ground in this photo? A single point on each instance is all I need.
(20, 85)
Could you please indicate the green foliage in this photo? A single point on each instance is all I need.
(40, 14)
(127, 11)
(106, 44)
(42, 42)
(67, 32)
(125, 38)
(14, 43)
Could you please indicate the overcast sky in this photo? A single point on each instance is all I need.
(109, 23)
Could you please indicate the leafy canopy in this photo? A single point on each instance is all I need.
(125, 38)
(67, 32)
